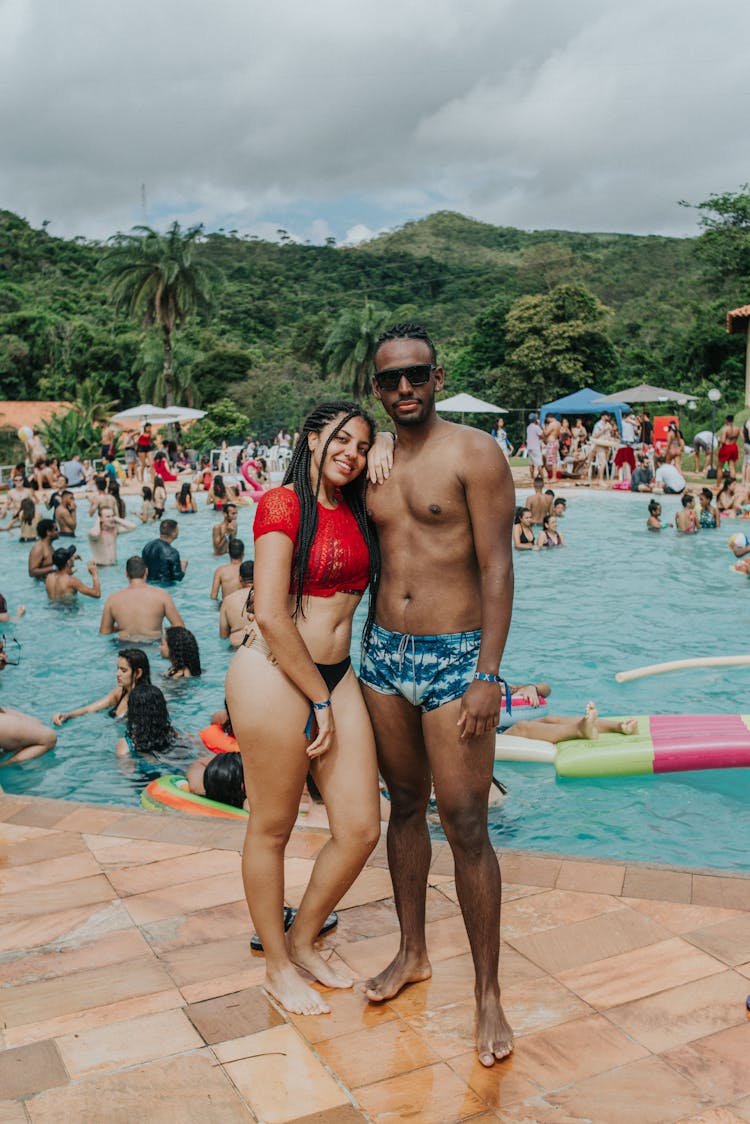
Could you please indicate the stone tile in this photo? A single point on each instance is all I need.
(42, 813)
(49, 999)
(208, 960)
(279, 1076)
(718, 1064)
(582, 942)
(189, 1089)
(296, 876)
(432, 1095)
(217, 986)
(54, 899)
(153, 876)
(360, 922)
(94, 1017)
(372, 885)
(728, 941)
(375, 1054)
(127, 1043)
(442, 860)
(573, 1051)
(645, 971)
(182, 829)
(64, 927)
(540, 1004)
(647, 1091)
(10, 805)
(89, 819)
(728, 893)
(111, 948)
(744, 969)
(12, 1112)
(185, 898)
(41, 846)
(591, 877)
(549, 909)
(350, 1012)
(115, 852)
(515, 968)
(679, 918)
(30, 1069)
(742, 1108)
(662, 885)
(306, 844)
(530, 870)
(452, 981)
(14, 833)
(445, 939)
(227, 835)
(233, 1016)
(229, 920)
(514, 890)
(504, 1084)
(139, 825)
(343, 1114)
(50, 872)
(714, 1116)
(682, 1014)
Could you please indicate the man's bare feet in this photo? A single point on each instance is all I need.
(629, 726)
(494, 1035)
(588, 723)
(294, 995)
(400, 972)
(312, 962)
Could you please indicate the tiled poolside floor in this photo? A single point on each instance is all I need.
(127, 991)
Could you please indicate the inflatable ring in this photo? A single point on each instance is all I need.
(254, 487)
(215, 738)
(173, 792)
(25, 433)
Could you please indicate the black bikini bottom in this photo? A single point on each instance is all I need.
(333, 673)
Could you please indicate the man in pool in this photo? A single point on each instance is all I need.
(227, 577)
(162, 558)
(233, 615)
(103, 534)
(21, 736)
(225, 532)
(40, 555)
(66, 515)
(62, 584)
(444, 519)
(138, 611)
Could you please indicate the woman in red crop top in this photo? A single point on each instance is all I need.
(294, 699)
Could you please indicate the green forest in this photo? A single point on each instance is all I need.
(518, 317)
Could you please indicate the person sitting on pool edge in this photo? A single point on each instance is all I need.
(22, 738)
(132, 668)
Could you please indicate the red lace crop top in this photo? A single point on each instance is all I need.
(339, 559)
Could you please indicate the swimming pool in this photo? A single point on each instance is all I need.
(616, 597)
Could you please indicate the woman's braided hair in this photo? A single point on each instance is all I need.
(298, 474)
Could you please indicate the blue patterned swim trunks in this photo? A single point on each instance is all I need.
(428, 671)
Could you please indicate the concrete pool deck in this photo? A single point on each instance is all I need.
(127, 989)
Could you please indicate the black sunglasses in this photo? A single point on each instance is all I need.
(417, 375)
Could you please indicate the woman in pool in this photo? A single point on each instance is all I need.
(179, 646)
(708, 517)
(217, 493)
(219, 776)
(725, 497)
(132, 668)
(185, 499)
(150, 731)
(686, 521)
(147, 514)
(27, 519)
(294, 698)
(523, 531)
(654, 523)
(549, 535)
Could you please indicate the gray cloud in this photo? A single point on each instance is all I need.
(340, 117)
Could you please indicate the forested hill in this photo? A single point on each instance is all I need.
(655, 317)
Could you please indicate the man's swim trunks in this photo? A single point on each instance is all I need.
(428, 671)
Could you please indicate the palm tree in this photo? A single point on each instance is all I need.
(350, 347)
(158, 278)
(148, 368)
(91, 401)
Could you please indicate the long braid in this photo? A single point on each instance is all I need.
(298, 474)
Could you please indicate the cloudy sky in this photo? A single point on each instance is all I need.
(346, 117)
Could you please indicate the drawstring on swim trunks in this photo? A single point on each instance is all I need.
(400, 654)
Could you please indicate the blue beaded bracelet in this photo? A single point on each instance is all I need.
(322, 706)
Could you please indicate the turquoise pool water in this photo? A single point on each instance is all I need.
(615, 597)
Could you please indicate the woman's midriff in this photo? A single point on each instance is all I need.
(326, 627)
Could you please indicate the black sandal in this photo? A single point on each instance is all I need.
(330, 923)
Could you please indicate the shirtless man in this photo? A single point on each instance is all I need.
(444, 520)
(102, 498)
(223, 533)
(103, 535)
(66, 515)
(539, 504)
(40, 555)
(233, 615)
(62, 584)
(227, 577)
(21, 736)
(138, 611)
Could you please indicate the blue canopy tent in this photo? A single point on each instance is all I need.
(586, 401)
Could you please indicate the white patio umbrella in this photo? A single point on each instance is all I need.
(144, 413)
(467, 404)
(185, 413)
(645, 393)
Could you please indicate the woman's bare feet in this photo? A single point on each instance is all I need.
(588, 725)
(494, 1035)
(400, 972)
(294, 995)
(312, 962)
(629, 726)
